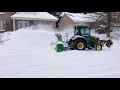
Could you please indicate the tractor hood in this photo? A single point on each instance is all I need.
(94, 37)
(77, 36)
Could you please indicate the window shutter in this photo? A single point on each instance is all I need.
(3, 25)
(0, 25)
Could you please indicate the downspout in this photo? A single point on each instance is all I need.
(14, 24)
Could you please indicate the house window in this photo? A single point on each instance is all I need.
(2, 25)
(23, 24)
(2, 12)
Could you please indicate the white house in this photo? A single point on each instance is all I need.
(26, 19)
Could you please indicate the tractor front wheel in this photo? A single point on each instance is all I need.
(98, 47)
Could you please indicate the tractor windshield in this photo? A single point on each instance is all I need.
(82, 31)
(85, 31)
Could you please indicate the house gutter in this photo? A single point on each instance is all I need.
(18, 18)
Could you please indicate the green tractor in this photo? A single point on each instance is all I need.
(81, 40)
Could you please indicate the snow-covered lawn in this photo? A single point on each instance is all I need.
(29, 54)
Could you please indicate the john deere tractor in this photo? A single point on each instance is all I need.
(81, 40)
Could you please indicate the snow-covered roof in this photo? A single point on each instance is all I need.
(62, 14)
(34, 16)
(80, 17)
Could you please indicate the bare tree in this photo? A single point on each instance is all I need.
(109, 14)
(106, 20)
(57, 14)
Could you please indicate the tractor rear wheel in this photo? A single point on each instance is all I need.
(98, 47)
(80, 44)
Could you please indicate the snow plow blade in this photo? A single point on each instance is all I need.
(108, 43)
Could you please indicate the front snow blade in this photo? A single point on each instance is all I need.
(109, 43)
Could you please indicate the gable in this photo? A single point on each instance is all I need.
(64, 19)
(80, 17)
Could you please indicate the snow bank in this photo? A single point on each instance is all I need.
(23, 38)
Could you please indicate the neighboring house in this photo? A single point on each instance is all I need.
(69, 20)
(26, 19)
(6, 23)
(116, 27)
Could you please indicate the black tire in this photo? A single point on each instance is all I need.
(70, 44)
(71, 48)
(98, 47)
(78, 41)
(109, 43)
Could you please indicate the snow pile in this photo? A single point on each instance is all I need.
(25, 37)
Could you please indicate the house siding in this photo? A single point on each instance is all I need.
(65, 23)
(9, 22)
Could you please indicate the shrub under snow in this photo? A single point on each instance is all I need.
(115, 35)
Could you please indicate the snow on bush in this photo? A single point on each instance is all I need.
(115, 35)
(4, 37)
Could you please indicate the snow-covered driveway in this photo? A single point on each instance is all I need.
(29, 54)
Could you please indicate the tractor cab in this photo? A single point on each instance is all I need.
(82, 31)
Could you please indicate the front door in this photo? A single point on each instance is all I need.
(23, 24)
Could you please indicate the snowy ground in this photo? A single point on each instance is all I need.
(29, 54)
